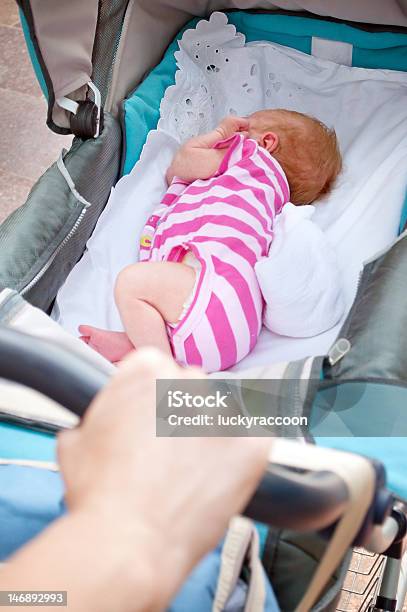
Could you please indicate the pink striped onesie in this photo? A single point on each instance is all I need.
(226, 221)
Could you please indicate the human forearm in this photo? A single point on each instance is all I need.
(133, 506)
(103, 565)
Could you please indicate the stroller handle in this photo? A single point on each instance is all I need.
(306, 502)
(284, 498)
(64, 377)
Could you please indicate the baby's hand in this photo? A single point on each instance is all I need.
(197, 158)
(231, 124)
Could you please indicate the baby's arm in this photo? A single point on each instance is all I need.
(197, 159)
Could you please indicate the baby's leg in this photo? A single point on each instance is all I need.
(147, 295)
(150, 294)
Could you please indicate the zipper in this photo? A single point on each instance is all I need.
(50, 261)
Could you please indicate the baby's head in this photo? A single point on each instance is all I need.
(306, 149)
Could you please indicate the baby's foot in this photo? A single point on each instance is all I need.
(114, 346)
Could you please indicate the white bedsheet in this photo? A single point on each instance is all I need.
(368, 110)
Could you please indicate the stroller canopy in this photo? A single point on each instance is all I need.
(113, 43)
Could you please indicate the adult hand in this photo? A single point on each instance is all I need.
(169, 499)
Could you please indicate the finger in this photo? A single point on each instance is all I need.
(145, 366)
(242, 120)
(149, 360)
(193, 372)
(136, 377)
(67, 442)
(158, 365)
(85, 330)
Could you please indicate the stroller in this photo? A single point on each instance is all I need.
(314, 503)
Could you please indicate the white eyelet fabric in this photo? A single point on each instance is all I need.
(218, 75)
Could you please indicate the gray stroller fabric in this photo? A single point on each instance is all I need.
(376, 325)
(116, 42)
(107, 38)
(42, 241)
(290, 560)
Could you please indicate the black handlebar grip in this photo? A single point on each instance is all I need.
(46, 367)
(307, 502)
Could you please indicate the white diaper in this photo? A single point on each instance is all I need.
(192, 261)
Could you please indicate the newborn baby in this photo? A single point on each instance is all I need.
(195, 294)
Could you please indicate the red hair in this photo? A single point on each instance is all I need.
(307, 150)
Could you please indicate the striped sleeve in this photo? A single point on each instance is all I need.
(173, 192)
(233, 144)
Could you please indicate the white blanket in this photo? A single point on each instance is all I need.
(219, 74)
(300, 279)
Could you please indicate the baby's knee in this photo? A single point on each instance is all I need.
(126, 284)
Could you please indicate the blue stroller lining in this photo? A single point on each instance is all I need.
(392, 452)
(30, 499)
(19, 443)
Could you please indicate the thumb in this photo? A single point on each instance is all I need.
(67, 444)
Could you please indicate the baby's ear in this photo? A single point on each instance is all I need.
(270, 141)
